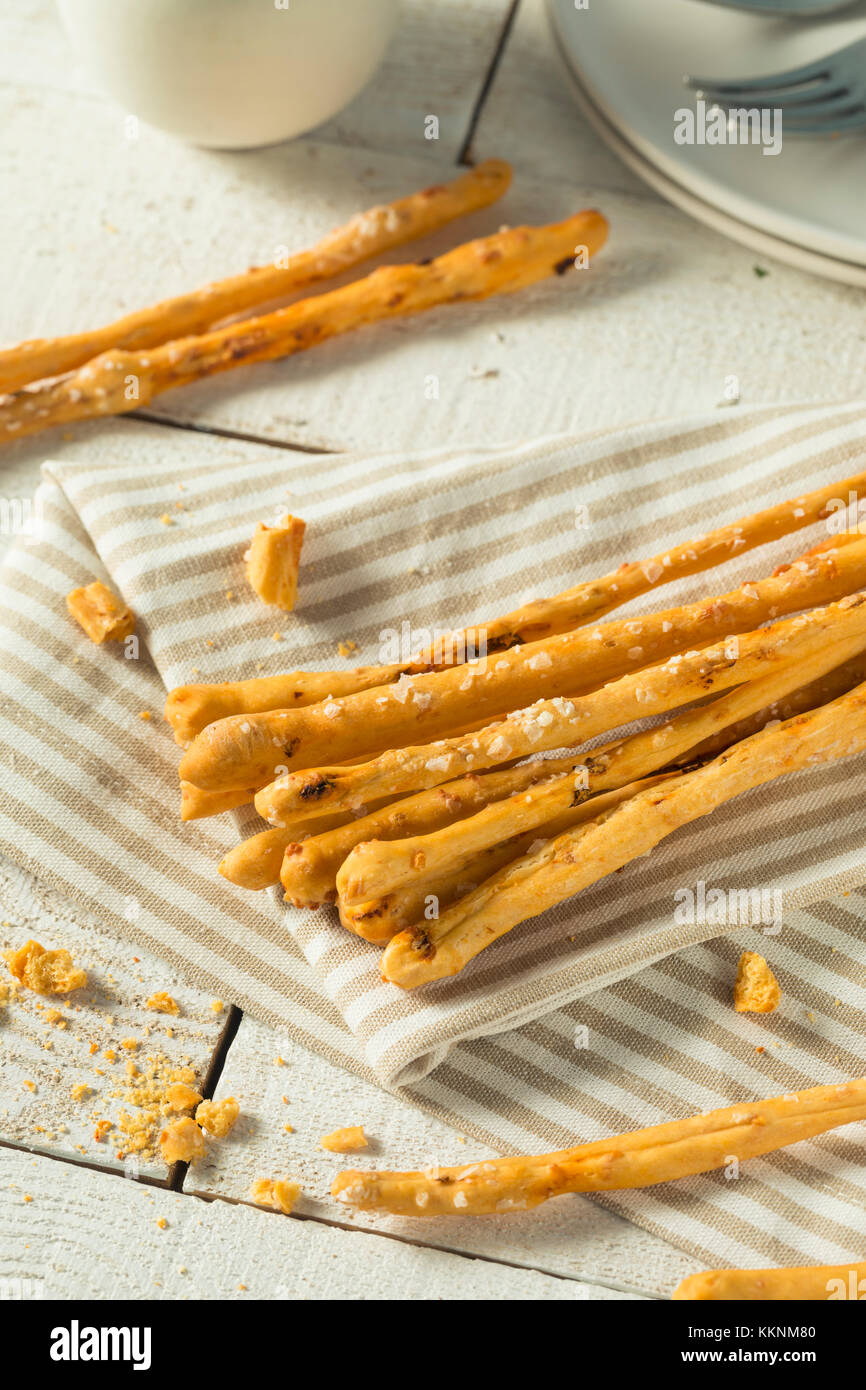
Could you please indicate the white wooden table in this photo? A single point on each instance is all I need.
(95, 223)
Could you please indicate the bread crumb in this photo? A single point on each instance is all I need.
(163, 1003)
(161, 1222)
(80, 1090)
(45, 972)
(756, 990)
(217, 1116)
(181, 1142)
(345, 1141)
(348, 647)
(179, 1096)
(279, 1193)
(146, 715)
(217, 1006)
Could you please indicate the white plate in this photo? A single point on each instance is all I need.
(806, 205)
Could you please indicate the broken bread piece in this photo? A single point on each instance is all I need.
(217, 1116)
(279, 1193)
(179, 1096)
(345, 1141)
(45, 972)
(181, 1141)
(102, 615)
(273, 560)
(756, 989)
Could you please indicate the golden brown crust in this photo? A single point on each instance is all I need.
(642, 1158)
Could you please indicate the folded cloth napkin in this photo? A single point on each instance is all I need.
(393, 544)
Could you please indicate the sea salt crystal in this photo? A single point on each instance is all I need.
(422, 698)
(499, 747)
(331, 710)
(666, 626)
(437, 764)
(635, 653)
(245, 728)
(545, 718)
(539, 662)
(401, 689)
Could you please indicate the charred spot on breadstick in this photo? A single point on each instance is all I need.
(315, 790)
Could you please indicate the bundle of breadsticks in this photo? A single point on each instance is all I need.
(122, 366)
(441, 802)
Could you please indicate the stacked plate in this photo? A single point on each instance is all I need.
(805, 204)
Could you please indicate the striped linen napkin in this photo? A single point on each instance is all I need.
(436, 540)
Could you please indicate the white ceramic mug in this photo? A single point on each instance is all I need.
(231, 73)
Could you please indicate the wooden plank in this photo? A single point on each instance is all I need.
(570, 1237)
(42, 1061)
(435, 66)
(73, 1234)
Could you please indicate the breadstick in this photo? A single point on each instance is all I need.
(118, 381)
(557, 723)
(581, 857)
(804, 1283)
(309, 870)
(241, 750)
(190, 708)
(194, 803)
(255, 863)
(642, 1158)
(309, 874)
(373, 869)
(817, 692)
(370, 233)
(379, 919)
